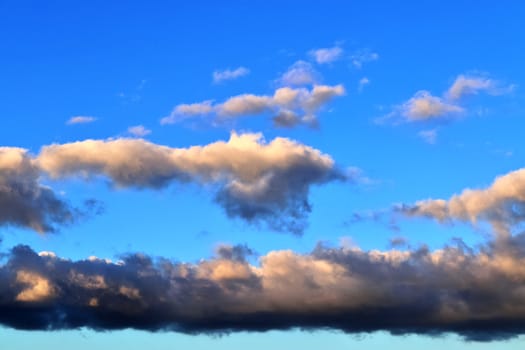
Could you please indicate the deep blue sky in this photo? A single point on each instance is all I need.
(129, 63)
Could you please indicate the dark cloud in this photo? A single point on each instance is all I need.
(477, 293)
(24, 202)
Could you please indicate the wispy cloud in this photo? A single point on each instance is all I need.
(327, 55)
(80, 120)
(362, 83)
(429, 136)
(299, 73)
(424, 106)
(139, 131)
(220, 76)
(359, 58)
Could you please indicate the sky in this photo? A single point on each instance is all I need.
(263, 174)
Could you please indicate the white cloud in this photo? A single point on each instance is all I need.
(229, 74)
(80, 120)
(139, 131)
(327, 55)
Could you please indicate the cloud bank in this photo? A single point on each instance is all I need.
(476, 293)
(259, 182)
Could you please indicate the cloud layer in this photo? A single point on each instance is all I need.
(477, 293)
(259, 182)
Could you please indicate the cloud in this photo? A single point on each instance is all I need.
(423, 106)
(184, 111)
(327, 55)
(472, 85)
(429, 136)
(139, 131)
(474, 292)
(228, 74)
(363, 56)
(26, 203)
(362, 83)
(290, 106)
(259, 182)
(80, 120)
(502, 204)
(299, 73)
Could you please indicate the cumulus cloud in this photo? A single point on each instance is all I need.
(229, 74)
(474, 292)
(80, 120)
(502, 204)
(290, 106)
(259, 182)
(327, 55)
(139, 131)
(299, 73)
(26, 203)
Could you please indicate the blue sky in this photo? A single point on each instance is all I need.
(386, 111)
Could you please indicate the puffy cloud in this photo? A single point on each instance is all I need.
(502, 204)
(24, 202)
(327, 55)
(80, 120)
(300, 73)
(256, 181)
(290, 106)
(476, 293)
(424, 106)
(139, 131)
